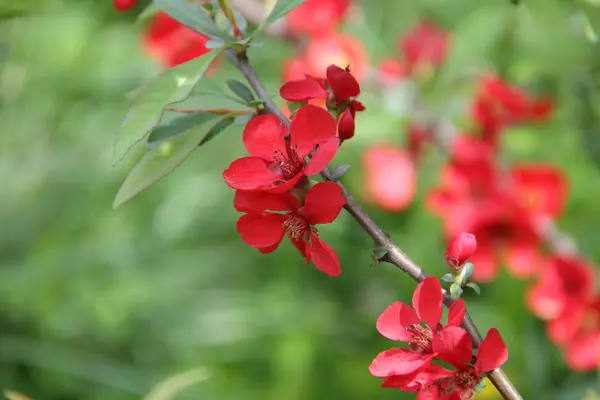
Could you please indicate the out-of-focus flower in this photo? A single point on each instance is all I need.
(540, 188)
(390, 70)
(171, 42)
(124, 5)
(317, 17)
(276, 162)
(425, 44)
(564, 285)
(391, 178)
(339, 49)
(400, 322)
(270, 216)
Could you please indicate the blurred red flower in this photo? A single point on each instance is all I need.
(270, 216)
(171, 42)
(124, 5)
(391, 178)
(424, 44)
(338, 49)
(400, 322)
(276, 162)
(317, 17)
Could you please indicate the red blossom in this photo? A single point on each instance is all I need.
(565, 284)
(425, 43)
(270, 216)
(339, 88)
(579, 332)
(540, 188)
(499, 104)
(124, 5)
(461, 247)
(390, 70)
(173, 43)
(400, 322)
(317, 17)
(391, 178)
(338, 49)
(276, 162)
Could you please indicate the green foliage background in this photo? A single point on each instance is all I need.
(104, 304)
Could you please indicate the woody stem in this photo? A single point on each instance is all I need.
(394, 255)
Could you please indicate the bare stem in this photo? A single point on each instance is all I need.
(394, 255)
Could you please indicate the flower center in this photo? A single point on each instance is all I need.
(287, 163)
(421, 338)
(464, 381)
(296, 226)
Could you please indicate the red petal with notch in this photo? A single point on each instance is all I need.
(454, 346)
(258, 201)
(323, 203)
(492, 352)
(311, 125)
(249, 173)
(263, 135)
(322, 156)
(261, 230)
(393, 321)
(302, 90)
(324, 257)
(427, 302)
(342, 83)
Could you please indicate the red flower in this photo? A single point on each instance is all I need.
(124, 5)
(400, 322)
(460, 249)
(276, 163)
(499, 104)
(391, 179)
(565, 284)
(540, 188)
(425, 43)
(270, 216)
(338, 49)
(317, 17)
(390, 70)
(173, 43)
(340, 89)
(453, 345)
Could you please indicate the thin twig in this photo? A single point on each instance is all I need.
(394, 255)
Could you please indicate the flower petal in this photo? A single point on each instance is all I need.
(486, 267)
(454, 346)
(456, 313)
(346, 124)
(311, 125)
(249, 173)
(427, 302)
(302, 90)
(261, 230)
(523, 258)
(324, 257)
(583, 354)
(302, 247)
(259, 201)
(263, 135)
(269, 249)
(393, 321)
(342, 83)
(492, 352)
(324, 154)
(323, 203)
(399, 362)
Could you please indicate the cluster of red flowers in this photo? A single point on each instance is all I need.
(412, 369)
(273, 189)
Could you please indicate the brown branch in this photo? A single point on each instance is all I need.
(394, 255)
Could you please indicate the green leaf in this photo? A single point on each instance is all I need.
(281, 8)
(240, 90)
(475, 287)
(243, 119)
(379, 252)
(448, 278)
(191, 14)
(481, 386)
(147, 108)
(160, 161)
(17, 8)
(177, 126)
(214, 44)
(150, 11)
(219, 127)
(455, 291)
(468, 270)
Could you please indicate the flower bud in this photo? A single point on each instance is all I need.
(459, 250)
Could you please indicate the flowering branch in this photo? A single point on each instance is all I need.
(394, 255)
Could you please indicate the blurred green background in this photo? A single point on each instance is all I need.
(105, 304)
